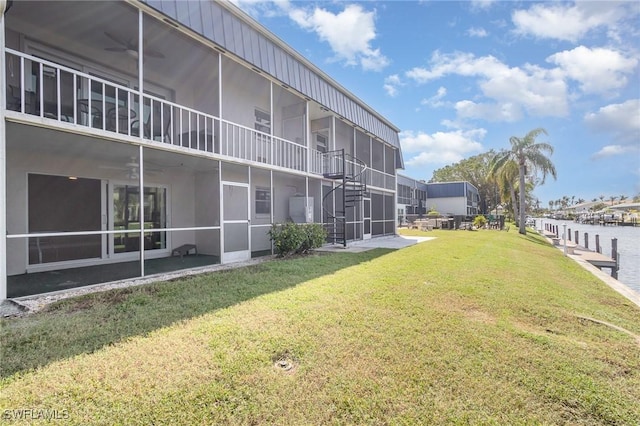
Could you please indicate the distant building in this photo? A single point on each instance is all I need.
(416, 198)
(453, 198)
(412, 196)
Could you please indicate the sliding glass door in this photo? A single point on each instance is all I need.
(126, 218)
(61, 205)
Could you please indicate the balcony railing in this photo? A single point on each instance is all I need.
(41, 88)
(381, 179)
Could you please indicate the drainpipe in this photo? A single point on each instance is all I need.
(4, 6)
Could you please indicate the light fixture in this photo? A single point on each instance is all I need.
(73, 178)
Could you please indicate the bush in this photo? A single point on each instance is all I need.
(479, 221)
(292, 238)
(315, 236)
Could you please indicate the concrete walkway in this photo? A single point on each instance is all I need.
(393, 242)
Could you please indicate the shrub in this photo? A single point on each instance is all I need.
(315, 236)
(292, 238)
(479, 221)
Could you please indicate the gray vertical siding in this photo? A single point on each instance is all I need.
(215, 22)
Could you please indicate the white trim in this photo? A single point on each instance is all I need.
(3, 161)
(239, 255)
(141, 202)
(364, 218)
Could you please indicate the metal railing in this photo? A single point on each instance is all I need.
(380, 179)
(51, 91)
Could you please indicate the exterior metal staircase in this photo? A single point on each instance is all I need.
(351, 172)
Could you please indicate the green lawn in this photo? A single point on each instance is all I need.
(482, 327)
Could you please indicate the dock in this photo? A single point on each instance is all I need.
(596, 259)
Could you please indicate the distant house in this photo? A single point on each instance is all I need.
(580, 208)
(416, 197)
(139, 137)
(453, 198)
(412, 198)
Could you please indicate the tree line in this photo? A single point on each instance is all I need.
(507, 177)
(500, 175)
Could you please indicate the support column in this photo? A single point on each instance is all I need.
(141, 198)
(3, 161)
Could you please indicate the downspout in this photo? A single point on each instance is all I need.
(4, 7)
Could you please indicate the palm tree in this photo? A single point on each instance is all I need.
(613, 198)
(506, 177)
(527, 154)
(622, 198)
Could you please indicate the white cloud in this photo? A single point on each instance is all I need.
(622, 121)
(349, 33)
(391, 84)
(495, 112)
(570, 22)
(440, 147)
(465, 64)
(477, 32)
(510, 91)
(482, 4)
(436, 100)
(613, 150)
(598, 70)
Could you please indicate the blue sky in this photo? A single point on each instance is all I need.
(460, 78)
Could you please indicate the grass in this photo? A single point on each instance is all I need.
(482, 327)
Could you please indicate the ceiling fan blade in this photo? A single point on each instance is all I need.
(153, 54)
(108, 167)
(117, 40)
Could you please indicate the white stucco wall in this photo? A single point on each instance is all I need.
(448, 205)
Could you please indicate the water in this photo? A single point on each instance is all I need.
(628, 246)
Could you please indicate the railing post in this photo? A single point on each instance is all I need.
(586, 240)
(344, 200)
(614, 256)
(577, 235)
(598, 249)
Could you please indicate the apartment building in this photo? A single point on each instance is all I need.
(141, 137)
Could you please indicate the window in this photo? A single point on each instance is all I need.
(263, 201)
(263, 121)
(321, 141)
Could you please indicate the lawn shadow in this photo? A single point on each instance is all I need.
(84, 324)
(535, 237)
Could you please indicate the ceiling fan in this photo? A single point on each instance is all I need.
(130, 48)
